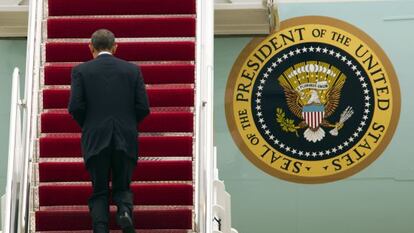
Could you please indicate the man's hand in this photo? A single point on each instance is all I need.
(77, 103)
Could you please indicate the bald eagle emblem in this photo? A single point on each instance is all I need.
(313, 92)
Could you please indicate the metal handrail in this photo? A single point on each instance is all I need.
(204, 118)
(30, 115)
(33, 61)
(15, 157)
(23, 121)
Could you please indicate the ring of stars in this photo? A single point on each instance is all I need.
(346, 61)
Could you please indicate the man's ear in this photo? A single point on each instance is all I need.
(113, 50)
(92, 49)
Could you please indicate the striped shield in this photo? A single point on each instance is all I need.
(313, 115)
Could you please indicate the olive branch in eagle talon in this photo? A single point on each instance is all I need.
(287, 125)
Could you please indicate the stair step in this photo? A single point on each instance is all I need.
(145, 171)
(119, 231)
(61, 122)
(122, 27)
(149, 146)
(158, 97)
(144, 194)
(120, 7)
(60, 74)
(131, 51)
(79, 219)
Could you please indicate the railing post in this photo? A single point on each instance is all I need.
(204, 116)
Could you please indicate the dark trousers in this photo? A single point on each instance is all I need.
(100, 166)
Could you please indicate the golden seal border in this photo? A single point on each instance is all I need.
(304, 20)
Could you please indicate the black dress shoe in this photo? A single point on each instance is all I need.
(124, 221)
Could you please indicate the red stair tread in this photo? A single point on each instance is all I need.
(145, 171)
(119, 231)
(152, 73)
(120, 7)
(55, 220)
(144, 194)
(158, 97)
(131, 51)
(63, 146)
(62, 122)
(122, 27)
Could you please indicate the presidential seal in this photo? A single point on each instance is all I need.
(315, 102)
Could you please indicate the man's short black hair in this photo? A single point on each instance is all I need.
(103, 39)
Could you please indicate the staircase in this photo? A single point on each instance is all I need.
(160, 36)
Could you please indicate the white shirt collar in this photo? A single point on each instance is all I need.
(104, 52)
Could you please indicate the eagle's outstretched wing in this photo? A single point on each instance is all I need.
(333, 97)
(293, 100)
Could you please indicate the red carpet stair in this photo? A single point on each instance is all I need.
(160, 37)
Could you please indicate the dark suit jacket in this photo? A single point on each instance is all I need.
(108, 99)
